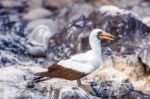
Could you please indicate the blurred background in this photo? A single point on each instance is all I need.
(37, 33)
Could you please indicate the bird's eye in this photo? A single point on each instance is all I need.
(98, 35)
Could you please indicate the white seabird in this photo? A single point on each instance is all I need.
(78, 65)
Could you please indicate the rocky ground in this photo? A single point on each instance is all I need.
(34, 35)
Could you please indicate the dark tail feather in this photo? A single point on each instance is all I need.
(42, 76)
(37, 80)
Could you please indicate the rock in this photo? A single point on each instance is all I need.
(141, 10)
(75, 13)
(13, 6)
(51, 24)
(130, 65)
(146, 20)
(34, 4)
(37, 42)
(5, 60)
(72, 39)
(119, 68)
(72, 12)
(58, 3)
(69, 93)
(112, 89)
(110, 73)
(13, 84)
(12, 33)
(126, 26)
(37, 14)
(138, 94)
(144, 56)
(11, 3)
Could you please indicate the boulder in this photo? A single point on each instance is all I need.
(11, 3)
(70, 40)
(12, 35)
(126, 26)
(60, 3)
(51, 24)
(115, 90)
(144, 56)
(37, 14)
(37, 40)
(69, 92)
(14, 84)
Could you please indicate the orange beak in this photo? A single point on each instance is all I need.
(106, 36)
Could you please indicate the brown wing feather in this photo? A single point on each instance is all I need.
(58, 71)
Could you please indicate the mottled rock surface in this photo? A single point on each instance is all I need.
(13, 84)
(69, 40)
(126, 26)
(53, 25)
(70, 93)
(115, 90)
(144, 55)
(12, 35)
(37, 42)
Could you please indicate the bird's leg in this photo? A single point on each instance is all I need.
(79, 83)
(84, 87)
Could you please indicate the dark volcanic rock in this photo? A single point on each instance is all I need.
(13, 6)
(5, 60)
(70, 40)
(124, 25)
(115, 90)
(70, 93)
(12, 35)
(127, 28)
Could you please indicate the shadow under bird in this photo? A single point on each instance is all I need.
(80, 65)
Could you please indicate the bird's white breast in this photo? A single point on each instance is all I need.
(90, 62)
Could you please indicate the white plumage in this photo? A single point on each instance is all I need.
(88, 61)
(78, 65)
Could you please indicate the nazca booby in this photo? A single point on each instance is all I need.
(79, 65)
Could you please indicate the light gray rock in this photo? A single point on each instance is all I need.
(37, 14)
(79, 10)
(34, 4)
(52, 25)
(11, 3)
(73, 12)
(69, 92)
(146, 20)
(59, 3)
(13, 84)
(37, 42)
(144, 54)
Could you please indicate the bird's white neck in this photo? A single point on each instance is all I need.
(95, 44)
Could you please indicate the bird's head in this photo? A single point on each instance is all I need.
(100, 34)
